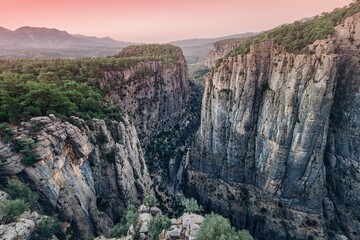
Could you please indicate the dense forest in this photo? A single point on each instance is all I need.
(70, 87)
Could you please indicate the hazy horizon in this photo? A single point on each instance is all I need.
(160, 21)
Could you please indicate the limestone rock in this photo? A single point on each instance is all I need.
(155, 210)
(22, 228)
(278, 134)
(74, 177)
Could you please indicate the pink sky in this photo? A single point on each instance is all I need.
(159, 20)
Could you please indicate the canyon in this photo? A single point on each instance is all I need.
(271, 143)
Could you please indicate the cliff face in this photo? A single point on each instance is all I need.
(87, 184)
(219, 49)
(341, 156)
(153, 92)
(276, 150)
(166, 110)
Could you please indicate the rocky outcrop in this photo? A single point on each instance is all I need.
(21, 229)
(277, 147)
(186, 227)
(86, 176)
(219, 49)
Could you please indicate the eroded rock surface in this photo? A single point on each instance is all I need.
(277, 150)
(87, 184)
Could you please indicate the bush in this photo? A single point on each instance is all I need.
(10, 210)
(6, 132)
(216, 227)
(29, 160)
(110, 156)
(150, 201)
(102, 138)
(121, 228)
(19, 190)
(265, 87)
(131, 215)
(191, 205)
(48, 227)
(36, 126)
(157, 224)
(23, 145)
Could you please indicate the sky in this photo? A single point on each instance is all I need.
(159, 21)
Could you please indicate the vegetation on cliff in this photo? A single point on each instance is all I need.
(217, 227)
(165, 52)
(130, 218)
(295, 38)
(66, 88)
(20, 196)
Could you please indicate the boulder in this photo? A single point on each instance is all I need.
(154, 211)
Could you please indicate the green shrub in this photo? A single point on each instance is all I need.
(121, 228)
(131, 215)
(29, 160)
(19, 190)
(110, 156)
(150, 201)
(23, 145)
(216, 227)
(157, 224)
(6, 132)
(36, 126)
(48, 227)
(266, 86)
(10, 210)
(191, 205)
(102, 138)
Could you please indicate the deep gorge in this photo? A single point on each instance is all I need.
(272, 142)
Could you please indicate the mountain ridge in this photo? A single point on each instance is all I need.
(38, 37)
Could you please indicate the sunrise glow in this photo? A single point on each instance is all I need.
(159, 20)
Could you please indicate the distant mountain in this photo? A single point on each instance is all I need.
(4, 31)
(51, 38)
(35, 42)
(195, 50)
(30, 42)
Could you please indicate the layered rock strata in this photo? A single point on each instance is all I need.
(277, 147)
